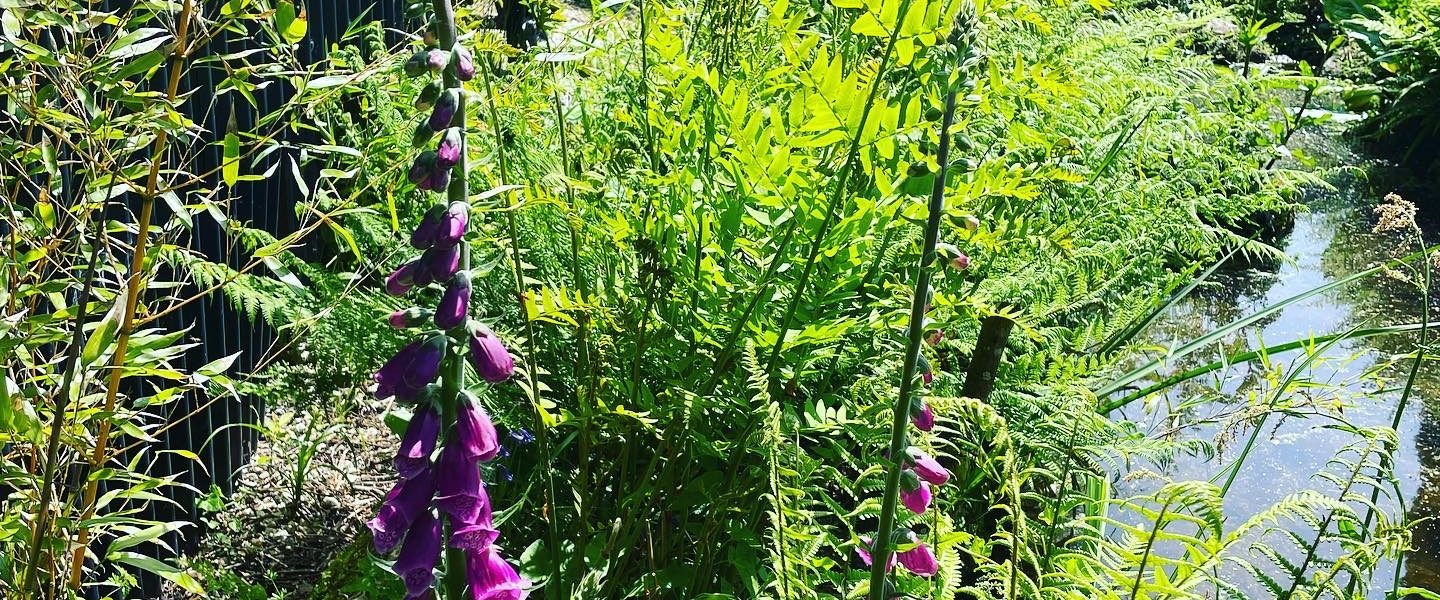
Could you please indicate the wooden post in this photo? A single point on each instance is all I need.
(989, 349)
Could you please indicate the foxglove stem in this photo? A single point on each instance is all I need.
(454, 369)
(883, 544)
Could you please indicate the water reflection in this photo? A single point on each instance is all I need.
(1330, 241)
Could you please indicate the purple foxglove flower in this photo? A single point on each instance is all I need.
(928, 468)
(919, 560)
(934, 337)
(391, 376)
(400, 282)
(960, 262)
(439, 263)
(425, 100)
(864, 551)
(455, 304)
(411, 369)
(473, 430)
(424, 235)
(491, 578)
(444, 111)
(458, 490)
(924, 419)
(416, 562)
(421, 168)
(448, 153)
(413, 457)
(488, 354)
(474, 536)
(453, 223)
(410, 317)
(403, 504)
(464, 64)
(436, 60)
(916, 498)
(426, 366)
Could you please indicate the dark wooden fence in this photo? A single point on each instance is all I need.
(217, 328)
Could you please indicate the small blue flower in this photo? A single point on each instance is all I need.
(504, 473)
(522, 436)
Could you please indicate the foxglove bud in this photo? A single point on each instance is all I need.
(927, 468)
(919, 560)
(934, 337)
(439, 263)
(455, 304)
(417, 64)
(923, 366)
(402, 279)
(464, 63)
(923, 418)
(425, 100)
(415, 366)
(916, 498)
(424, 235)
(445, 107)
(437, 181)
(410, 317)
(436, 59)
(453, 223)
(422, 135)
(488, 355)
(972, 223)
(450, 150)
(422, 167)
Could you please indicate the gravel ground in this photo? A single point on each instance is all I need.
(263, 538)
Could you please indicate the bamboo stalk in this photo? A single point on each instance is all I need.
(134, 286)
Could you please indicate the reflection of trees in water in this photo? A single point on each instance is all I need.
(1423, 567)
(1382, 301)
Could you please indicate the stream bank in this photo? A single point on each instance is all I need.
(1356, 379)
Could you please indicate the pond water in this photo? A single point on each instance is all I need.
(1331, 240)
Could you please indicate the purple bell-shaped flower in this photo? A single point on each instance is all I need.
(445, 108)
(474, 432)
(491, 578)
(488, 354)
(403, 504)
(464, 63)
(411, 369)
(416, 562)
(413, 457)
(458, 490)
(454, 306)
(410, 317)
(400, 282)
(439, 263)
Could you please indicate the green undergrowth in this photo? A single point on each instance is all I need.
(716, 240)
